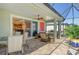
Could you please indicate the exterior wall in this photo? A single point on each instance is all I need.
(5, 22)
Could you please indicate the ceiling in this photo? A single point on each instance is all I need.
(31, 10)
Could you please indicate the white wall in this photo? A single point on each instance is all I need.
(5, 24)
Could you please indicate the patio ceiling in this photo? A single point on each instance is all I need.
(31, 10)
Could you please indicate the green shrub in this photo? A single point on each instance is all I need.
(72, 32)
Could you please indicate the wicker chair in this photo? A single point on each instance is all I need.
(44, 37)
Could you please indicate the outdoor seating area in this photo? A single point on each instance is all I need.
(39, 29)
(42, 36)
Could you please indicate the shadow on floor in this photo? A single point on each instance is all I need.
(33, 44)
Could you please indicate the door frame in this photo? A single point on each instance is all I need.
(24, 18)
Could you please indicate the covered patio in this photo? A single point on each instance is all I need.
(21, 26)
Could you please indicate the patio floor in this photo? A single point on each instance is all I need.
(36, 47)
(57, 48)
(61, 50)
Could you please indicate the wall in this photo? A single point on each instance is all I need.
(5, 23)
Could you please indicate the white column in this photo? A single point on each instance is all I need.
(59, 29)
(45, 27)
(55, 30)
(38, 27)
(63, 28)
(31, 28)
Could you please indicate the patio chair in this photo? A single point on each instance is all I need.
(25, 36)
(3, 49)
(3, 45)
(44, 37)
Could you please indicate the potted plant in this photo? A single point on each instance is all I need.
(72, 32)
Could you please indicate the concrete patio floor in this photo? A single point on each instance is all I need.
(36, 47)
(61, 50)
(56, 48)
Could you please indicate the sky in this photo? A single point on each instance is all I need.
(65, 9)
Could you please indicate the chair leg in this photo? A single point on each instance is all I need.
(22, 50)
(6, 51)
(27, 44)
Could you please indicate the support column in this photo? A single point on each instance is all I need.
(63, 29)
(59, 30)
(55, 30)
(31, 28)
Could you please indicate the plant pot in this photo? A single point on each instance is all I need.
(74, 42)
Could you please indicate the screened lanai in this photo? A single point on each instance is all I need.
(36, 29)
(69, 11)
